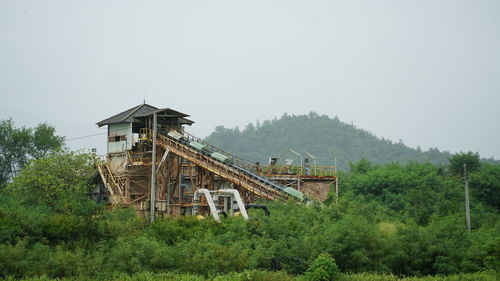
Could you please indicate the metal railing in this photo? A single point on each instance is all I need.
(314, 171)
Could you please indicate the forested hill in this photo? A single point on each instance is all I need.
(318, 135)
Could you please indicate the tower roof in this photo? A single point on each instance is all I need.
(143, 110)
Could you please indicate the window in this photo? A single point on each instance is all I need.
(117, 138)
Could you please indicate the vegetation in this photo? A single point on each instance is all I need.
(319, 135)
(19, 145)
(323, 268)
(259, 275)
(391, 221)
(460, 161)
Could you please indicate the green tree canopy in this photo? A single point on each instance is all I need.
(458, 160)
(318, 135)
(19, 145)
(52, 181)
(362, 166)
(485, 184)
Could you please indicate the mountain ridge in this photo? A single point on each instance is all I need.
(323, 137)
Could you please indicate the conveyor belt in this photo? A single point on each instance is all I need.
(237, 171)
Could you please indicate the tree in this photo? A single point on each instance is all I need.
(317, 134)
(458, 160)
(485, 184)
(361, 167)
(45, 140)
(20, 145)
(14, 149)
(59, 181)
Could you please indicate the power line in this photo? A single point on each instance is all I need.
(83, 137)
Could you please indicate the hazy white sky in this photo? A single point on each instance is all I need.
(426, 72)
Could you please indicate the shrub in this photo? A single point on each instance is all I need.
(323, 268)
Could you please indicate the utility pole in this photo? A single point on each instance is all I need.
(336, 190)
(467, 204)
(152, 209)
(336, 178)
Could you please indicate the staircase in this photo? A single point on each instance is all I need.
(112, 185)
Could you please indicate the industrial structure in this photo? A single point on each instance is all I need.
(151, 158)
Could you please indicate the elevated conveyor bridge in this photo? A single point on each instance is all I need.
(235, 171)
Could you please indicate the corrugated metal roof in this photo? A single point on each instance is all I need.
(142, 110)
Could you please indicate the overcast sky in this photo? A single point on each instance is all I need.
(426, 72)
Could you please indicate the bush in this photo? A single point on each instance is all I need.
(323, 268)
(138, 254)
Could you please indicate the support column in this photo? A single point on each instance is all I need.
(152, 209)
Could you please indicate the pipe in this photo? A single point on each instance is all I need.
(239, 202)
(259, 206)
(210, 201)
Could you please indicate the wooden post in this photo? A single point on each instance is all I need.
(180, 182)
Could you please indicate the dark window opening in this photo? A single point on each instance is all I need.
(117, 138)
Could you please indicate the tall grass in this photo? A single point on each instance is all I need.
(259, 275)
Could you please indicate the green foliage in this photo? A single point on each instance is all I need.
(470, 159)
(418, 190)
(168, 231)
(406, 220)
(480, 276)
(323, 268)
(18, 221)
(45, 141)
(21, 260)
(259, 275)
(59, 181)
(47, 202)
(485, 184)
(65, 227)
(19, 145)
(319, 135)
(361, 167)
(139, 254)
(119, 223)
(15, 146)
